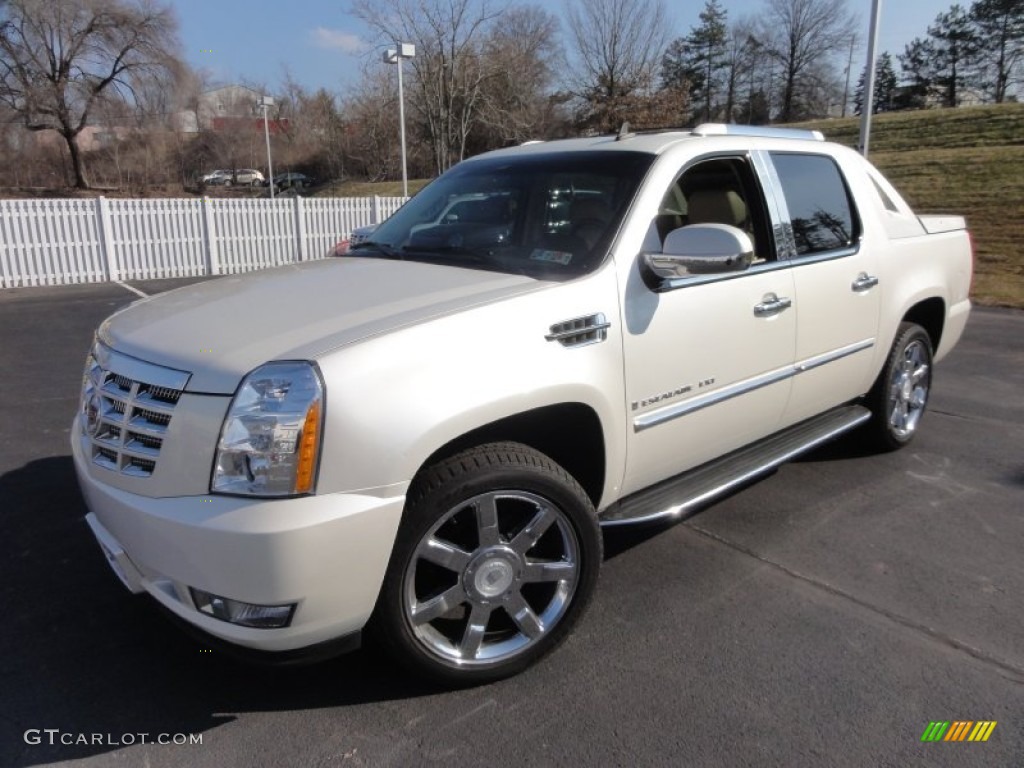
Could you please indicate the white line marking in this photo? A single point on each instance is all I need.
(136, 291)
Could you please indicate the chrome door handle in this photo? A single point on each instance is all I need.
(864, 282)
(772, 305)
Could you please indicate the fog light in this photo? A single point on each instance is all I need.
(243, 614)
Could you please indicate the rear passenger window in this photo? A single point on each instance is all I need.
(819, 204)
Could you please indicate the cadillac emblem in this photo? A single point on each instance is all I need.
(93, 409)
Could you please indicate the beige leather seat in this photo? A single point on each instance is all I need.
(717, 206)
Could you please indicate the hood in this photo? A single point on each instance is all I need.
(222, 329)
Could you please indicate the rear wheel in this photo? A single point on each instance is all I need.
(900, 396)
(496, 559)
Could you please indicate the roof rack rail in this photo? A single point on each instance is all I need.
(767, 132)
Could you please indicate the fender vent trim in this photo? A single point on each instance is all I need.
(580, 331)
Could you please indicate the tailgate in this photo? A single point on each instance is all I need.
(933, 225)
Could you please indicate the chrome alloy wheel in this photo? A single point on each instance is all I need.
(908, 389)
(492, 577)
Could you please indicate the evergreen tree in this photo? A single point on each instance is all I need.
(708, 44)
(1000, 29)
(885, 86)
(954, 47)
(919, 74)
(694, 63)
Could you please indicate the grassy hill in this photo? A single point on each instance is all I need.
(967, 161)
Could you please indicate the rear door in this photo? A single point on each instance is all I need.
(837, 296)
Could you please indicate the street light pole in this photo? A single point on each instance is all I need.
(266, 102)
(868, 106)
(393, 56)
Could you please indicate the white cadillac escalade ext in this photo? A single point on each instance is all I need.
(422, 439)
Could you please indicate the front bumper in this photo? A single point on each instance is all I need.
(325, 553)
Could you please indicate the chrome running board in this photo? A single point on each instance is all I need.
(682, 494)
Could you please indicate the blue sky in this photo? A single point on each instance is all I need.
(323, 45)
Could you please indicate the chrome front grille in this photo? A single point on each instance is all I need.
(127, 407)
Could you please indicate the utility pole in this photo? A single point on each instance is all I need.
(265, 103)
(869, 80)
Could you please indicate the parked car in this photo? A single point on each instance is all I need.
(472, 211)
(249, 176)
(218, 178)
(424, 438)
(245, 176)
(293, 180)
(358, 235)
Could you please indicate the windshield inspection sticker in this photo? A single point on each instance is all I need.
(558, 257)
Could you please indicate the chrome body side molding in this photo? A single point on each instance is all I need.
(670, 412)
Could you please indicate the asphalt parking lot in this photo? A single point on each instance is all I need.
(821, 617)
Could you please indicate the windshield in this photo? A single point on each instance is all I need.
(552, 216)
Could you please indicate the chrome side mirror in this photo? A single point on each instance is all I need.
(701, 249)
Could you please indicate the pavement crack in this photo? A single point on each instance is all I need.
(969, 417)
(954, 415)
(1016, 672)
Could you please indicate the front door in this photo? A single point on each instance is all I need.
(707, 361)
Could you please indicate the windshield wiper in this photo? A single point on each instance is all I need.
(472, 254)
(372, 246)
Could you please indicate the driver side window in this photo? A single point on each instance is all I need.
(721, 190)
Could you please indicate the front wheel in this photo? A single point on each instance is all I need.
(497, 557)
(900, 395)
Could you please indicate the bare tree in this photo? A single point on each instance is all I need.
(58, 59)
(738, 63)
(618, 46)
(313, 136)
(449, 72)
(371, 126)
(522, 52)
(802, 35)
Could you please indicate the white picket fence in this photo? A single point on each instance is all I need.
(60, 242)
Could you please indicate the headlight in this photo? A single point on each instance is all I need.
(90, 403)
(270, 442)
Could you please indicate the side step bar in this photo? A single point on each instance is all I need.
(677, 496)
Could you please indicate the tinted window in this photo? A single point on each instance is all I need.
(550, 215)
(819, 206)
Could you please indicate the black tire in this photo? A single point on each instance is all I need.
(900, 395)
(506, 594)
